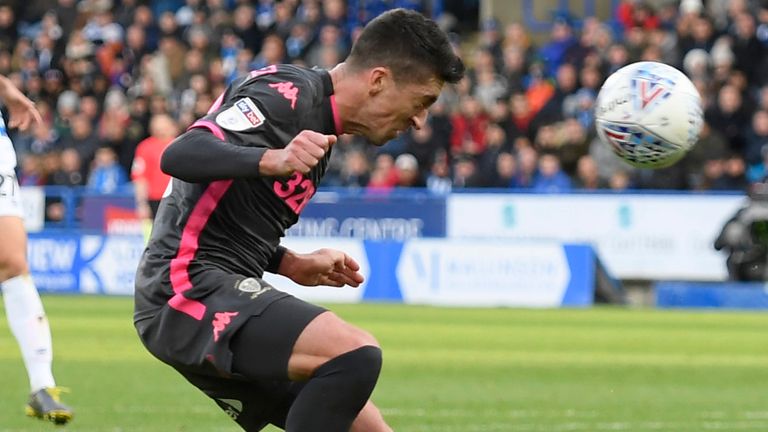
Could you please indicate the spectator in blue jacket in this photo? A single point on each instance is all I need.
(551, 178)
(107, 176)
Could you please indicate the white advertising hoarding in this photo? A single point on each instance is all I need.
(353, 248)
(636, 236)
(33, 206)
(483, 273)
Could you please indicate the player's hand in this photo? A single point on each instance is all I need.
(328, 267)
(302, 154)
(21, 110)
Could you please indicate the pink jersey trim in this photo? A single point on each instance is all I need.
(188, 246)
(217, 103)
(263, 71)
(211, 126)
(336, 117)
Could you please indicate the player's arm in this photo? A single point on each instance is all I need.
(22, 111)
(322, 267)
(200, 156)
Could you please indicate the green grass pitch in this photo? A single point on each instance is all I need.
(446, 370)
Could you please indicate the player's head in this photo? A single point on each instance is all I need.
(404, 59)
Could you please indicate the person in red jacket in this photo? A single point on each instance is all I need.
(148, 179)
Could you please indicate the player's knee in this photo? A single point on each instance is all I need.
(362, 338)
(348, 338)
(12, 265)
(370, 360)
(361, 365)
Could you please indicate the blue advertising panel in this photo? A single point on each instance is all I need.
(92, 264)
(726, 295)
(372, 215)
(419, 271)
(450, 272)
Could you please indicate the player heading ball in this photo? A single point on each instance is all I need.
(242, 174)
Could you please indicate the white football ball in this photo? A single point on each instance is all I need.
(649, 113)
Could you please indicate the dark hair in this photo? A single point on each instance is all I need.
(412, 46)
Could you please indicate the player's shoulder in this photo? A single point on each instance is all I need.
(284, 90)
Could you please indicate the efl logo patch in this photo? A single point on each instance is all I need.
(243, 115)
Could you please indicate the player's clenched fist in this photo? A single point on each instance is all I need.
(301, 154)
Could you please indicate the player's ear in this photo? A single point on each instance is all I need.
(377, 80)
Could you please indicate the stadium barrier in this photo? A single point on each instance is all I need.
(639, 236)
(728, 295)
(446, 272)
(656, 236)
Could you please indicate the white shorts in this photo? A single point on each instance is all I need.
(10, 195)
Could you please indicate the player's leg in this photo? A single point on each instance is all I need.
(337, 363)
(247, 403)
(28, 322)
(370, 420)
(341, 364)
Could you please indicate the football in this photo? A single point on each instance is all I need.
(649, 113)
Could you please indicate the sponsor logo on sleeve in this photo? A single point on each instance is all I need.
(241, 116)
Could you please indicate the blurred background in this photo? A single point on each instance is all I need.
(490, 240)
(508, 153)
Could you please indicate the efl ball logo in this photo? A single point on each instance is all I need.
(648, 89)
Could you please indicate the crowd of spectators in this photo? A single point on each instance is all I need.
(100, 70)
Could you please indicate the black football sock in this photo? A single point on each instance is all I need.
(331, 400)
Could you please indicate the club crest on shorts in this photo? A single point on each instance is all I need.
(253, 286)
(243, 115)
